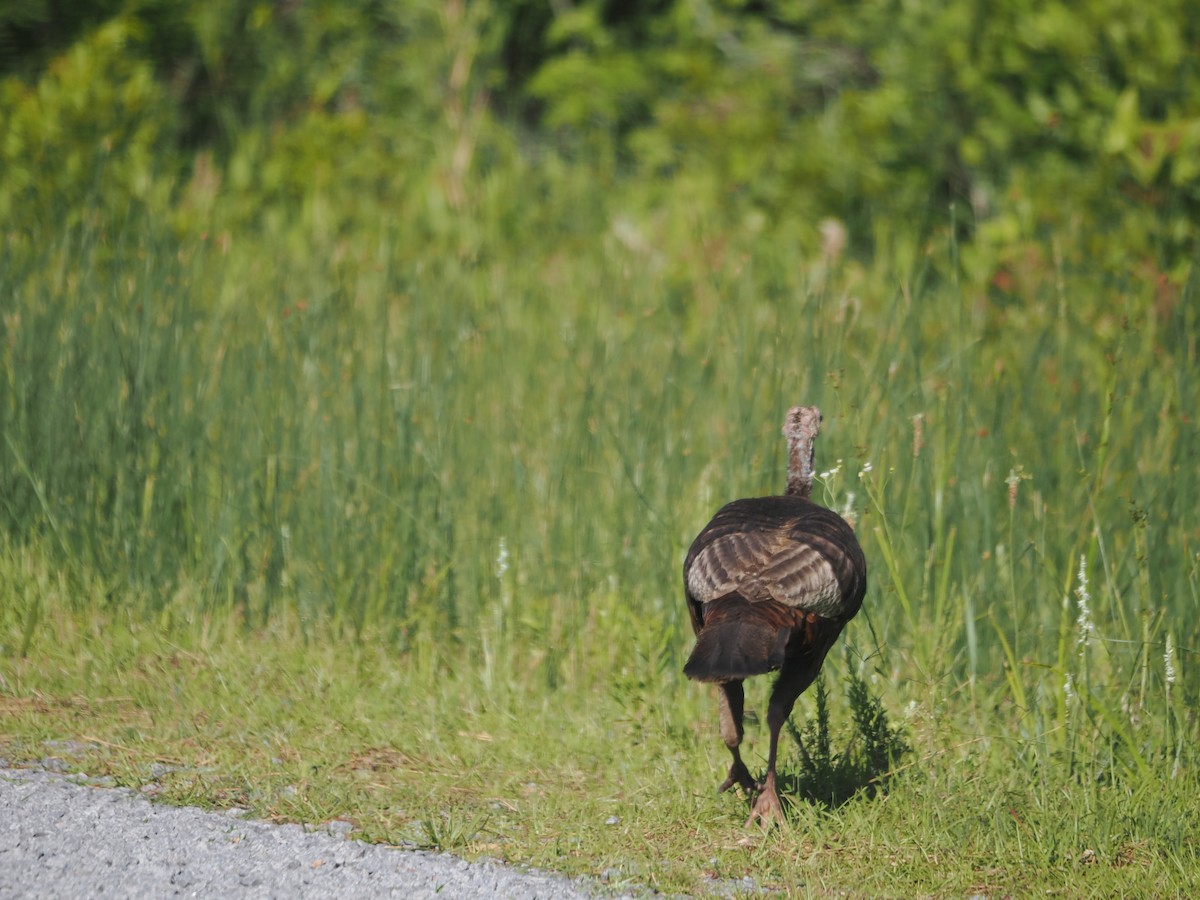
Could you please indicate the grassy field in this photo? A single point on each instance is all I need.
(389, 529)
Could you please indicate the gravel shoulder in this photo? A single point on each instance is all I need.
(71, 836)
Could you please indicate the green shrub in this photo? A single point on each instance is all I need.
(96, 128)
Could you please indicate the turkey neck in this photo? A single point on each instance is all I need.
(800, 462)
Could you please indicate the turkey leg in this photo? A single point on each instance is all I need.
(732, 704)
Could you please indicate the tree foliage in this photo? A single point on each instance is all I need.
(1007, 122)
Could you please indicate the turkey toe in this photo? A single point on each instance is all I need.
(738, 775)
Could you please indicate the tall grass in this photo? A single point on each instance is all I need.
(492, 459)
(357, 432)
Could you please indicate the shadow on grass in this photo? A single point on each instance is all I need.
(871, 751)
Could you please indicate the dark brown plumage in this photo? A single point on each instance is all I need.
(770, 584)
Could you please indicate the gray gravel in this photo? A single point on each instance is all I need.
(67, 836)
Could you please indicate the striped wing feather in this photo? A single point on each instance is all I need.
(779, 548)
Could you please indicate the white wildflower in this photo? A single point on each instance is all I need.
(867, 467)
(502, 560)
(830, 473)
(1169, 659)
(1084, 620)
(1069, 688)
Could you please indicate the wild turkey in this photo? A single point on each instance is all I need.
(770, 583)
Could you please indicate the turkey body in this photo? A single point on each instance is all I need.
(770, 584)
(766, 580)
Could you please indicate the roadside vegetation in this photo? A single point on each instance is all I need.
(355, 418)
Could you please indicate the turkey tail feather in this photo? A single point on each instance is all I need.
(739, 639)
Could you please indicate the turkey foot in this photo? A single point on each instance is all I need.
(767, 809)
(738, 774)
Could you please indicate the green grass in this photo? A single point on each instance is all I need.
(389, 528)
(615, 776)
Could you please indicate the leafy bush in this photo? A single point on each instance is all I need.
(1030, 118)
(92, 129)
(1035, 135)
